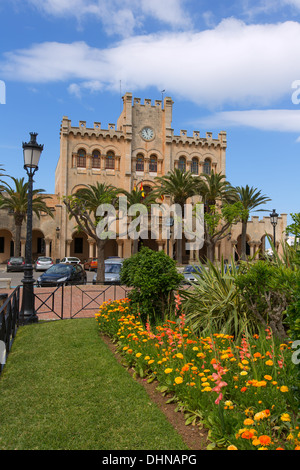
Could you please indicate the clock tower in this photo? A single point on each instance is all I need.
(149, 127)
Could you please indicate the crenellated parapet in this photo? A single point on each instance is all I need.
(198, 141)
(91, 132)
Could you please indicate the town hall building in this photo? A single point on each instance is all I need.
(131, 153)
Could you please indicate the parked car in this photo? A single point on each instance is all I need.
(71, 260)
(113, 268)
(91, 264)
(43, 263)
(15, 263)
(189, 273)
(62, 273)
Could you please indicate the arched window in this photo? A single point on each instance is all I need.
(110, 161)
(182, 164)
(195, 166)
(147, 189)
(153, 164)
(96, 159)
(81, 158)
(139, 163)
(207, 166)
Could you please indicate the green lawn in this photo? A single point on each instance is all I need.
(62, 388)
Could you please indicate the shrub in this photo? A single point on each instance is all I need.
(214, 303)
(268, 290)
(154, 277)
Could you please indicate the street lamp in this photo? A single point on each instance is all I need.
(274, 220)
(31, 152)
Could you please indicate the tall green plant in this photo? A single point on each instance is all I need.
(153, 277)
(214, 304)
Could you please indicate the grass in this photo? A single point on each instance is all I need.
(62, 389)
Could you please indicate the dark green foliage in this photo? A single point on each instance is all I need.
(154, 277)
(268, 289)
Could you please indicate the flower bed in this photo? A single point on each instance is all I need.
(245, 394)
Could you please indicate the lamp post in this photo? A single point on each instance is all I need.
(31, 152)
(274, 220)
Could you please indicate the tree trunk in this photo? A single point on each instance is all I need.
(18, 225)
(211, 252)
(135, 246)
(100, 263)
(244, 240)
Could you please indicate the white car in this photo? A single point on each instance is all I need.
(71, 260)
(43, 263)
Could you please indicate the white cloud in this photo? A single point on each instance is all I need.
(118, 16)
(233, 63)
(279, 120)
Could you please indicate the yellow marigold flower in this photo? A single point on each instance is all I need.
(206, 389)
(147, 358)
(285, 417)
(256, 442)
(284, 389)
(267, 377)
(269, 363)
(244, 372)
(248, 422)
(205, 384)
(178, 380)
(138, 354)
(228, 403)
(195, 348)
(201, 355)
(168, 370)
(179, 355)
(151, 361)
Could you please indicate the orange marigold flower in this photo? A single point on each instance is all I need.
(232, 447)
(265, 440)
(248, 434)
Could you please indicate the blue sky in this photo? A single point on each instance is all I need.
(232, 66)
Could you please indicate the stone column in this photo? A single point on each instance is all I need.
(120, 244)
(68, 247)
(47, 246)
(23, 243)
(91, 243)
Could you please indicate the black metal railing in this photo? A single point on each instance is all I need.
(9, 322)
(71, 301)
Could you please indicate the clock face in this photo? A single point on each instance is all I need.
(147, 133)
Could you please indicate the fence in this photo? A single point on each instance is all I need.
(9, 322)
(60, 302)
(72, 301)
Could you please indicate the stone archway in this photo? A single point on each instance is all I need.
(6, 245)
(79, 246)
(239, 247)
(38, 244)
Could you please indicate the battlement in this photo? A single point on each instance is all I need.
(82, 129)
(197, 139)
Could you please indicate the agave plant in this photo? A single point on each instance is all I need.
(213, 303)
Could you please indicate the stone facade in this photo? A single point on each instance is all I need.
(139, 147)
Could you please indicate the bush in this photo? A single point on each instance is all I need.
(214, 303)
(268, 290)
(154, 277)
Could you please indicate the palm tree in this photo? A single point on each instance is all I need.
(214, 189)
(14, 199)
(250, 198)
(83, 207)
(179, 185)
(136, 196)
